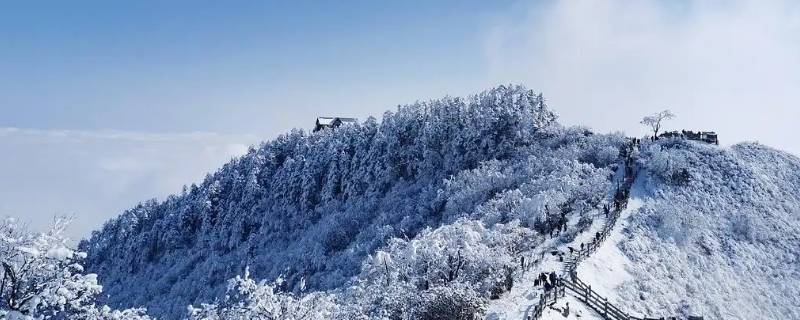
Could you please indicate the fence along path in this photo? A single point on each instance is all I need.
(580, 289)
(598, 303)
(620, 203)
(546, 299)
(569, 279)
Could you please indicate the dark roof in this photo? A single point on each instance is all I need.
(330, 122)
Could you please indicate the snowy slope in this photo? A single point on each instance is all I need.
(436, 199)
(724, 242)
(518, 303)
(708, 231)
(722, 245)
(448, 208)
(606, 269)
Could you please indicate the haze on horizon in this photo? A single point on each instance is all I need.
(107, 104)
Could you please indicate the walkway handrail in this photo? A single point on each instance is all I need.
(594, 300)
(582, 290)
(547, 298)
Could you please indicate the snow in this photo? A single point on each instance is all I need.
(721, 244)
(577, 310)
(60, 253)
(325, 121)
(433, 209)
(29, 250)
(704, 248)
(313, 208)
(606, 269)
(49, 286)
(517, 303)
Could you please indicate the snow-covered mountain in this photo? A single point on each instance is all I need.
(443, 210)
(722, 241)
(708, 231)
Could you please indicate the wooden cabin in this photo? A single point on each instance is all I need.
(332, 122)
(704, 136)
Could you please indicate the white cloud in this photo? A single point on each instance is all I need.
(98, 174)
(733, 67)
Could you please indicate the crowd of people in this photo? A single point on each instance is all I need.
(548, 280)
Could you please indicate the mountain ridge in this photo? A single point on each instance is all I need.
(434, 209)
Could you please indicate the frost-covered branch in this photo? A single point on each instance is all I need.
(654, 121)
(247, 299)
(43, 278)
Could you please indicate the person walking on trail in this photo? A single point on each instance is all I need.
(566, 310)
(581, 246)
(597, 235)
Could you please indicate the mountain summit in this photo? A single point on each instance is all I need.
(451, 209)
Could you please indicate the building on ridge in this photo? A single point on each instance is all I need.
(332, 122)
(704, 136)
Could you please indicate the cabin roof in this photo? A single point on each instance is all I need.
(326, 121)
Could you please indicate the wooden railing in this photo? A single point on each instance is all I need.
(620, 203)
(580, 254)
(584, 291)
(598, 303)
(547, 298)
(569, 279)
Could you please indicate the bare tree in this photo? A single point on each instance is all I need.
(654, 121)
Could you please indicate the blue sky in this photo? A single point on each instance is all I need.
(107, 103)
(167, 66)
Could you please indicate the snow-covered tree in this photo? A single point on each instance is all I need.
(731, 228)
(312, 208)
(654, 121)
(43, 278)
(247, 299)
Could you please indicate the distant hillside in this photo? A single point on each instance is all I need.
(312, 207)
(712, 232)
(718, 234)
